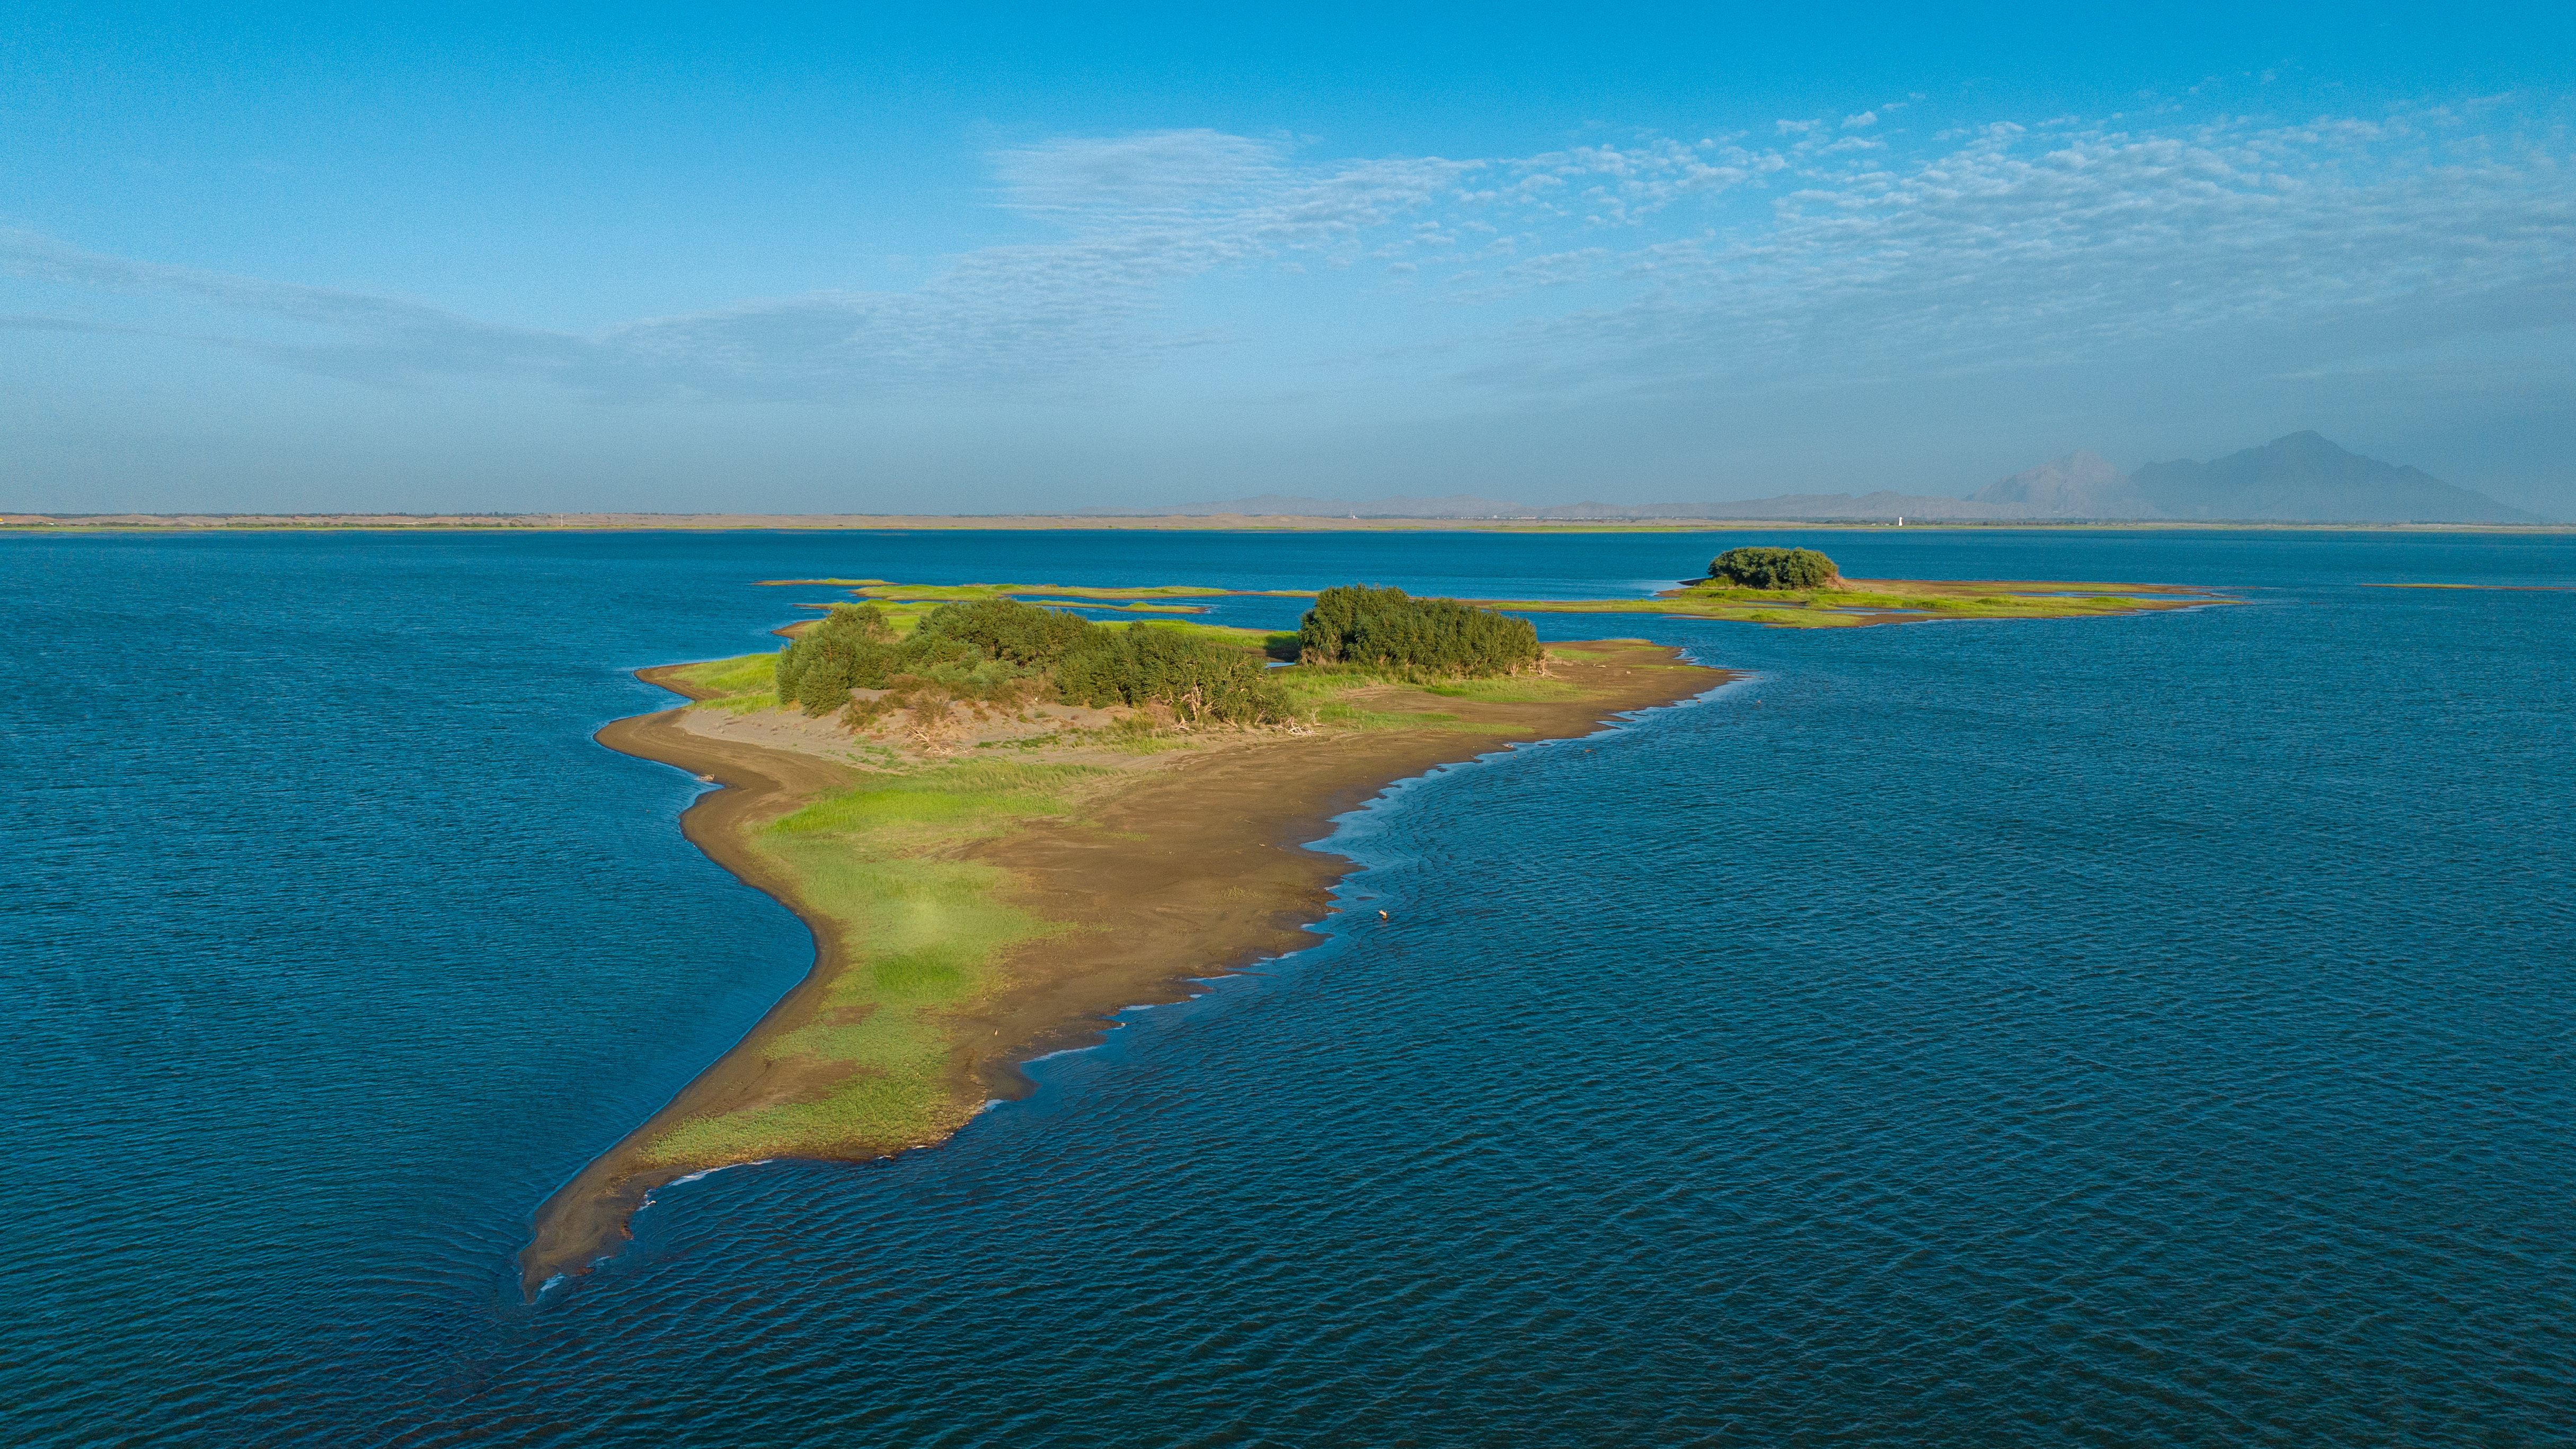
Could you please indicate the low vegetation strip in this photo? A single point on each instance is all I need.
(1835, 604)
(1799, 588)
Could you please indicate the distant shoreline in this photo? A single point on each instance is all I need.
(204, 523)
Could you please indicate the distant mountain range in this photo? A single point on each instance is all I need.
(2298, 479)
(2301, 478)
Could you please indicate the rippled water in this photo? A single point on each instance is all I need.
(2127, 1031)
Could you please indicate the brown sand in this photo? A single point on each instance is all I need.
(1182, 871)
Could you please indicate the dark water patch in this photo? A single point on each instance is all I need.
(2148, 1030)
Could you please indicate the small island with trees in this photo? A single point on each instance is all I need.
(1005, 821)
(1800, 588)
(1774, 568)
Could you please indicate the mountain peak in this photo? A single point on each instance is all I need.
(2307, 440)
(2304, 477)
(2301, 477)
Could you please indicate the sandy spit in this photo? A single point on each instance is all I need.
(1184, 871)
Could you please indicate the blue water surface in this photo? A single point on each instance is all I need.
(2148, 1030)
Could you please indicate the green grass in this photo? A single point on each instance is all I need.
(1845, 608)
(923, 933)
(950, 593)
(1308, 683)
(906, 605)
(1102, 608)
(1866, 602)
(1352, 716)
(1255, 640)
(738, 685)
(1321, 694)
(1508, 689)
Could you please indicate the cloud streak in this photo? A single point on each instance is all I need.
(2026, 248)
(1832, 247)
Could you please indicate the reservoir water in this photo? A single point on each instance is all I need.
(2149, 1030)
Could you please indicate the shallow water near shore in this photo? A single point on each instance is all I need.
(2145, 1030)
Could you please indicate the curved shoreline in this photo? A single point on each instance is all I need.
(1189, 871)
(753, 786)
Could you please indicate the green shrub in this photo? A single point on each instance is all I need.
(1004, 651)
(1006, 629)
(1775, 568)
(854, 648)
(816, 669)
(1391, 630)
(1198, 679)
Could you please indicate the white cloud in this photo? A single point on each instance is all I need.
(1181, 171)
(1671, 262)
(2020, 248)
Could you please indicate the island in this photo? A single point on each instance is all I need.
(1005, 821)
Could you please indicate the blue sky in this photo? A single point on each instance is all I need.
(462, 259)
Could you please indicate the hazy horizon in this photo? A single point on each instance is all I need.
(453, 262)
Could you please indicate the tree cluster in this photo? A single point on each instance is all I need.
(1002, 651)
(1197, 679)
(1388, 629)
(1774, 568)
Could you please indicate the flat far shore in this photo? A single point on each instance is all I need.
(44, 523)
(1184, 866)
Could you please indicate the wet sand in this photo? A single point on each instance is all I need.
(1184, 870)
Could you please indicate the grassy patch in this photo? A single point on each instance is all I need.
(738, 685)
(922, 933)
(1256, 640)
(1509, 689)
(1360, 717)
(1325, 695)
(1102, 608)
(1854, 602)
(906, 604)
(979, 797)
(1873, 601)
(951, 593)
